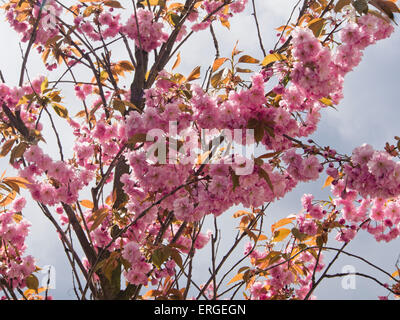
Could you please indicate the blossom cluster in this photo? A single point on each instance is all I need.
(62, 183)
(373, 173)
(47, 27)
(283, 281)
(147, 34)
(382, 215)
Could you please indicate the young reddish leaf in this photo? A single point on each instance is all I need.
(262, 237)
(218, 63)
(225, 23)
(8, 199)
(152, 293)
(250, 234)
(269, 155)
(195, 74)
(281, 223)
(244, 222)
(113, 4)
(216, 78)
(328, 182)
(160, 255)
(248, 59)
(18, 151)
(97, 213)
(21, 182)
(263, 174)
(7, 147)
(126, 65)
(177, 62)
(175, 255)
(236, 278)
(240, 213)
(60, 110)
(87, 204)
(138, 137)
(280, 234)
(153, 2)
(242, 269)
(316, 26)
(272, 58)
(12, 185)
(32, 282)
(111, 198)
(340, 4)
(298, 235)
(388, 7)
(17, 217)
(99, 219)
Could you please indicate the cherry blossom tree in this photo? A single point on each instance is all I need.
(156, 152)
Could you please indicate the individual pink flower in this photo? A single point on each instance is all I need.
(19, 204)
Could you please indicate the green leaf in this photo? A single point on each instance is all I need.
(218, 63)
(243, 70)
(195, 74)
